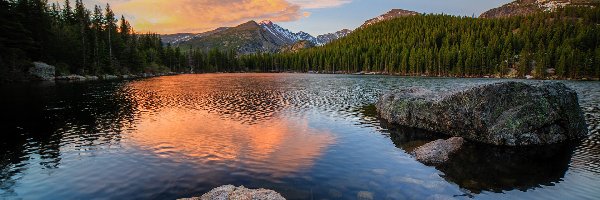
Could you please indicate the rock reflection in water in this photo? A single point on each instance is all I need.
(479, 167)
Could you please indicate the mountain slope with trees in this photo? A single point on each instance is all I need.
(561, 44)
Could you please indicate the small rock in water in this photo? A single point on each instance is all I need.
(438, 151)
(364, 195)
(379, 171)
(230, 192)
(440, 197)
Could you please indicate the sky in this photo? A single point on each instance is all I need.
(312, 16)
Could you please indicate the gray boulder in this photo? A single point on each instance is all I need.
(438, 151)
(506, 113)
(230, 192)
(42, 71)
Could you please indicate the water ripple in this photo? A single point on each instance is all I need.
(307, 135)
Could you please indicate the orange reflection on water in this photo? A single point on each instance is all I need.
(278, 146)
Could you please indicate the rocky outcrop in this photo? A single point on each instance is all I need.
(72, 77)
(230, 192)
(528, 7)
(516, 8)
(392, 14)
(506, 113)
(438, 151)
(303, 44)
(42, 71)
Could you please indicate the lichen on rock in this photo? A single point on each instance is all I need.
(505, 113)
(230, 192)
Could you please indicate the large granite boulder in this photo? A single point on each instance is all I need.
(438, 151)
(230, 192)
(506, 113)
(42, 71)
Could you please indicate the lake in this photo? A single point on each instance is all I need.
(307, 136)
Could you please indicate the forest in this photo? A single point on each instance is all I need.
(78, 41)
(562, 44)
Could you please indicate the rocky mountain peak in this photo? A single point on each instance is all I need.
(250, 23)
(392, 14)
(266, 22)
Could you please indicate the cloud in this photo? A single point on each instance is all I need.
(314, 4)
(175, 16)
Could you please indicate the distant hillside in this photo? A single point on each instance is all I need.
(527, 7)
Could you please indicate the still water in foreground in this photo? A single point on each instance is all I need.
(305, 136)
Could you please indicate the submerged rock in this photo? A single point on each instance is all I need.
(42, 71)
(506, 113)
(91, 78)
(227, 192)
(438, 151)
(364, 195)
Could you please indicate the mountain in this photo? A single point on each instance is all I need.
(527, 7)
(292, 38)
(251, 37)
(329, 37)
(266, 36)
(392, 14)
(286, 35)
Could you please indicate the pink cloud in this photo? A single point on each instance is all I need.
(176, 16)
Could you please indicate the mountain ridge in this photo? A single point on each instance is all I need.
(527, 7)
(252, 37)
(392, 14)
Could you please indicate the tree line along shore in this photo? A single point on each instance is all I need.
(563, 44)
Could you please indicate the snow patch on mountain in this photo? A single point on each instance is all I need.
(288, 37)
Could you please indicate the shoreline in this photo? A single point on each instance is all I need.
(82, 78)
(404, 75)
(85, 78)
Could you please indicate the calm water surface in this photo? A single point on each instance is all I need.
(306, 136)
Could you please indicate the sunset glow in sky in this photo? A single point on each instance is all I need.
(312, 16)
